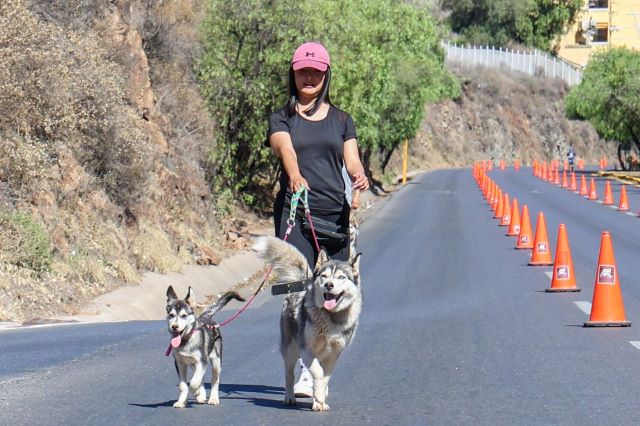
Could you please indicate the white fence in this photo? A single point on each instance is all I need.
(532, 63)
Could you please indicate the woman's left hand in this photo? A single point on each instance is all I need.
(360, 181)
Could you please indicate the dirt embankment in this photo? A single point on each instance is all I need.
(105, 147)
(501, 115)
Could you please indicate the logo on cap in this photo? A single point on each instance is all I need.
(312, 54)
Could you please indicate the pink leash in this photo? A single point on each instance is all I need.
(290, 224)
(295, 198)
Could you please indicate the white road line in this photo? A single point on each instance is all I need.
(599, 201)
(549, 274)
(635, 344)
(584, 307)
(612, 207)
(631, 214)
(58, 324)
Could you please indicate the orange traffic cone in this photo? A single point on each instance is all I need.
(583, 186)
(525, 240)
(502, 164)
(608, 196)
(492, 194)
(565, 183)
(489, 191)
(573, 186)
(607, 309)
(497, 196)
(556, 178)
(563, 279)
(624, 203)
(506, 211)
(499, 206)
(593, 194)
(516, 165)
(541, 254)
(514, 225)
(565, 165)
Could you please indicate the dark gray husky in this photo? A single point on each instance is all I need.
(318, 323)
(194, 343)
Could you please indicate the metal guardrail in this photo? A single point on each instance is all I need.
(531, 63)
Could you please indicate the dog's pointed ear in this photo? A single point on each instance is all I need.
(190, 296)
(171, 294)
(322, 257)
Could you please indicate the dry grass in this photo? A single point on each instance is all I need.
(80, 158)
(500, 115)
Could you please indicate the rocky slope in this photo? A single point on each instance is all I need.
(501, 115)
(106, 147)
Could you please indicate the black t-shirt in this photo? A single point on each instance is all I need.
(319, 146)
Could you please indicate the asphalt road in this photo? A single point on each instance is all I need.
(456, 330)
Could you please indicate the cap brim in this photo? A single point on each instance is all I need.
(308, 63)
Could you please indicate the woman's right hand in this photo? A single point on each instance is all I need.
(296, 182)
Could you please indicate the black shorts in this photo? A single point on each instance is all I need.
(304, 242)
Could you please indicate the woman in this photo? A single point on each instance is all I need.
(314, 140)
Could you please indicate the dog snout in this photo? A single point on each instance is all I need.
(328, 286)
(174, 327)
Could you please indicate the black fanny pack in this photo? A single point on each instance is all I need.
(329, 234)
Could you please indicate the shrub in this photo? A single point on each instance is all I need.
(24, 243)
(608, 95)
(61, 85)
(534, 23)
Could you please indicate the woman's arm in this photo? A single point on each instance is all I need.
(283, 147)
(354, 165)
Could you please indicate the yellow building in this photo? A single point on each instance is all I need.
(601, 24)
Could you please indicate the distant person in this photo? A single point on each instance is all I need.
(314, 141)
(571, 155)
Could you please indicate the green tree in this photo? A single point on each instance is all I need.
(535, 23)
(389, 62)
(243, 77)
(608, 96)
(386, 60)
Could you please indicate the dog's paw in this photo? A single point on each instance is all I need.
(290, 400)
(179, 404)
(214, 401)
(319, 406)
(201, 399)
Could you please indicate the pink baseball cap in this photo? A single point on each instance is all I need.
(311, 55)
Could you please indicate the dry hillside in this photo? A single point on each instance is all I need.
(501, 114)
(105, 147)
(105, 144)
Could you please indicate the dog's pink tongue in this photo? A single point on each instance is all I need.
(175, 341)
(330, 304)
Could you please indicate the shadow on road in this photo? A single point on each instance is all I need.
(240, 391)
(159, 404)
(243, 392)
